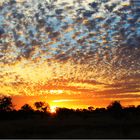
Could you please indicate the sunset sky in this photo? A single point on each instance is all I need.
(70, 53)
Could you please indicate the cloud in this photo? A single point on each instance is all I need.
(92, 46)
(63, 100)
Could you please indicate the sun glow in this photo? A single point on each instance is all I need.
(53, 109)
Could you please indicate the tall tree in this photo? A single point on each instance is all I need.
(6, 104)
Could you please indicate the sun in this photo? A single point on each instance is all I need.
(53, 109)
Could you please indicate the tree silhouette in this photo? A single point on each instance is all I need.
(138, 107)
(115, 106)
(6, 104)
(90, 108)
(116, 110)
(26, 108)
(41, 106)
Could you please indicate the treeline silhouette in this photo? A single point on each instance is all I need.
(114, 121)
(115, 109)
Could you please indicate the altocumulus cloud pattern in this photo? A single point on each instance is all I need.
(63, 42)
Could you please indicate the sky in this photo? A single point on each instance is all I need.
(71, 54)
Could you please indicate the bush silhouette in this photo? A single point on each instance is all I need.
(6, 104)
(26, 108)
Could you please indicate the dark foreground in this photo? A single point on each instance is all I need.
(96, 124)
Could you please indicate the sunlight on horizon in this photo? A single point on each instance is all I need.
(53, 109)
